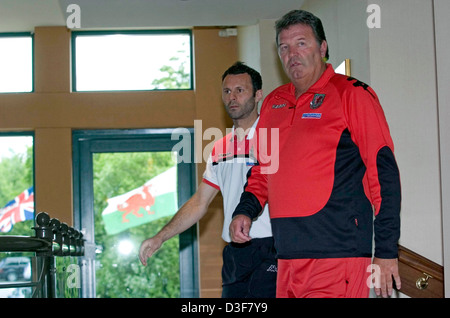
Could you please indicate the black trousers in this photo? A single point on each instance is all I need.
(250, 269)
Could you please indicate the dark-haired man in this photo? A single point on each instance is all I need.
(336, 169)
(249, 269)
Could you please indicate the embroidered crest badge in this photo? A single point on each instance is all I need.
(317, 101)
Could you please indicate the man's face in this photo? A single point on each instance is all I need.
(299, 51)
(237, 96)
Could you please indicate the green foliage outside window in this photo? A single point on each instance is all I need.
(122, 276)
(16, 173)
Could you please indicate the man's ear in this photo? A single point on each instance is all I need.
(323, 48)
(259, 95)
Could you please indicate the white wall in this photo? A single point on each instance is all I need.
(442, 25)
(257, 48)
(249, 46)
(347, 35)
(403, 73)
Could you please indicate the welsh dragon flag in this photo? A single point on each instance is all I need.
(153, 200)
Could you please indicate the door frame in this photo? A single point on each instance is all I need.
(87, 142)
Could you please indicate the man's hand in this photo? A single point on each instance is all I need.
(240, 228)
(388, 269)
(148, 248)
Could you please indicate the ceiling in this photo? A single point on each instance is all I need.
(24, 15)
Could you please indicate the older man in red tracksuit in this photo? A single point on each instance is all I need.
(336, 169)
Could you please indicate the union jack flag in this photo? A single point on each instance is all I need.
(17, 210)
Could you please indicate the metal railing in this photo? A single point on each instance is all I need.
(52, 240)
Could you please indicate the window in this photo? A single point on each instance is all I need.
(16, 184)
(16, 63)
(127, 185)
(16, 210)
(132, 60)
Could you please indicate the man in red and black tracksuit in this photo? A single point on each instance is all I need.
(335, 169)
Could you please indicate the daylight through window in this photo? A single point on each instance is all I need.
(111, 61)
(16, 63)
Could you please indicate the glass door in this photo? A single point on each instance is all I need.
(127, 187)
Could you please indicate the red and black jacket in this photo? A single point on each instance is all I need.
(335, 171)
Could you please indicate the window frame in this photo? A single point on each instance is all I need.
(76, 34)
(23, 34)
(88, 142)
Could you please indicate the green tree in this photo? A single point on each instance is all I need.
(16, 173)
(176, 76)
(175, 79)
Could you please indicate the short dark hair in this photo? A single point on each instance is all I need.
(241, 68)
(302, 17)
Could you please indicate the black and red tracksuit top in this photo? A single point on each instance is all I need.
(337, 181)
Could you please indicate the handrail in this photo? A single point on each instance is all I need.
(52, 239)
(421, 277)
(12, 243)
